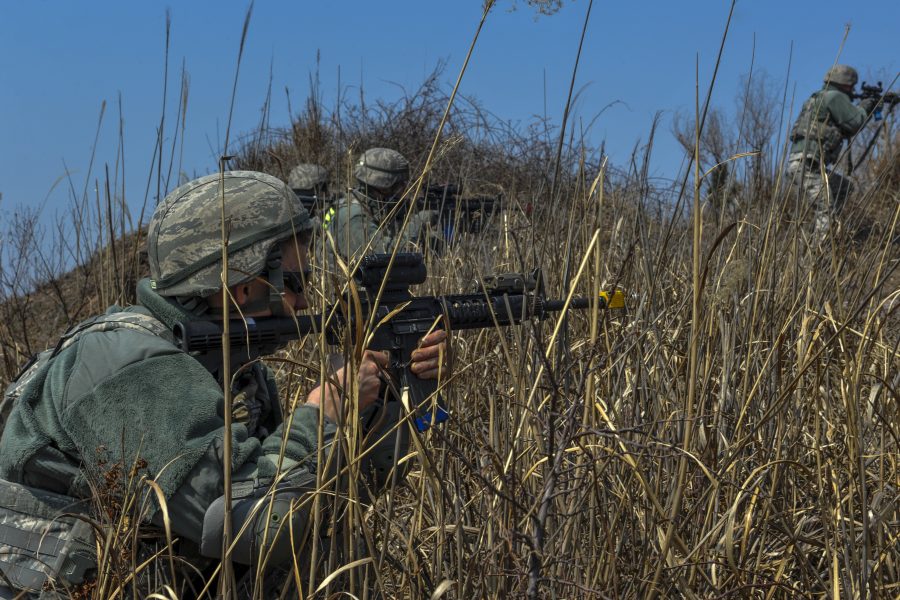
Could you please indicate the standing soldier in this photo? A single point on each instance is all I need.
(827, 118)
(360, 222)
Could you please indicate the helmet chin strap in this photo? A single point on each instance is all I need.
(275, 276)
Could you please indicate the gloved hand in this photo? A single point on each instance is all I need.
(423, 230)
(869, 104)
(422, 220)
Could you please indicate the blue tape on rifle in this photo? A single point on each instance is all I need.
(436, 417)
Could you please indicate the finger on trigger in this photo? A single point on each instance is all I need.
(379, 358)
(425, 353)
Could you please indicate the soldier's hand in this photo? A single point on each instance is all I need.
(369, 377)
(431, 356)
(328, 397)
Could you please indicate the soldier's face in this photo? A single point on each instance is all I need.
(294, 258)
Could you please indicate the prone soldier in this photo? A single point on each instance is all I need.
(119, 381)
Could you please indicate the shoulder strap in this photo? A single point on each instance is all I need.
(134, 321)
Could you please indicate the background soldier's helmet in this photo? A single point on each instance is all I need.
(381, 168)
(184, 241)
(306, 177)
(842, 75)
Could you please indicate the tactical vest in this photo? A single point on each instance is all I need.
(820, 137)
(45, 541)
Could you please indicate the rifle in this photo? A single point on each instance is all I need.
(877, 92)
(397, 320)
(471, 212)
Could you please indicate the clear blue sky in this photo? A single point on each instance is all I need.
(62, 59)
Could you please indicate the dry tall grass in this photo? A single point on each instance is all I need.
(557, 473)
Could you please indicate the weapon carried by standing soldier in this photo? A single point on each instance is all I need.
(826, 120)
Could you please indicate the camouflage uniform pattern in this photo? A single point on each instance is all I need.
(184, 239)
(141, 392)
(826, 119)
(354, 228)
(42, 546)
(305, 178)
(824, 193)
(106, 322)
(357, 223)
(119, 383)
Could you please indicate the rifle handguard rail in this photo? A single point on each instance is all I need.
(515, 298)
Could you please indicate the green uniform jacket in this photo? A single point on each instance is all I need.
(352, 226)
(827, 118)
(117, 395)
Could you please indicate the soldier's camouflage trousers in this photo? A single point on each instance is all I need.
(824, 195)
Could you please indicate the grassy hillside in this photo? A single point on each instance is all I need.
(733, 433)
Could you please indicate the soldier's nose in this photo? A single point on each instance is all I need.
(300, 302)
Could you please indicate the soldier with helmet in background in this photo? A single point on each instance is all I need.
(310, 183)
(119, 384)
(364, 221)
(826, 119)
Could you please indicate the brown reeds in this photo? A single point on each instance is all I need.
(733, 433)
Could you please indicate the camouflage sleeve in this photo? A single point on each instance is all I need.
(848, 117)
(352, 229)
(188, 505)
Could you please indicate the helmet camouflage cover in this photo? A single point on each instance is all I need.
(842, 75)
(381, 168)
(184, 241)
(306, 176)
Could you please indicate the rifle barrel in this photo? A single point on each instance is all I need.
(471, 311)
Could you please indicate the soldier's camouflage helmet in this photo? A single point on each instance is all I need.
(842, 75)
(184, 239)
(306, 176)
(381, 168)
